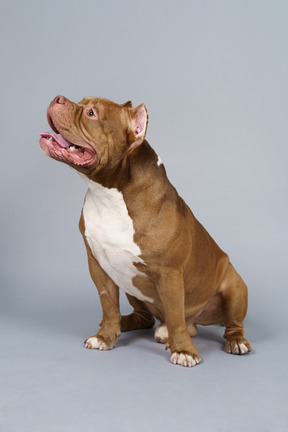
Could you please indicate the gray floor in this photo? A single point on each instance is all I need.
(50, 382)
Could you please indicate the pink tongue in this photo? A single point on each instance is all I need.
(62, 141)
(57, 137)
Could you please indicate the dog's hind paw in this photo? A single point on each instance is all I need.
(235, 346)
(161, 333)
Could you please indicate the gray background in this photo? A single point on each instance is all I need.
(213, 75)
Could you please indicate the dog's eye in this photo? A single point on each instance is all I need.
(90, 112)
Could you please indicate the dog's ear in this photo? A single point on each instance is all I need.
(137, 126)
(127, 104)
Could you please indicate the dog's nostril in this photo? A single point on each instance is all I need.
(60, 99)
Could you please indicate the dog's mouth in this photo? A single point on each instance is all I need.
(57, 147)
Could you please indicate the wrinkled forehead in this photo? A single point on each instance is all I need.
(106, 103)
(106, 109)
(88, 101)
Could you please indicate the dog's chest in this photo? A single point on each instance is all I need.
(109, 231)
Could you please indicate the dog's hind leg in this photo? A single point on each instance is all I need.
(140, 318)
(161, 332)
(235, 302)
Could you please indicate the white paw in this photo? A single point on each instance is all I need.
(94, 343)
(243, 348)
(161, 333)
(184, 359)
(235, 347)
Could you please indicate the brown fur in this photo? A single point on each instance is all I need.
(189, 277)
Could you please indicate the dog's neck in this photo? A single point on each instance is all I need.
(135, 169)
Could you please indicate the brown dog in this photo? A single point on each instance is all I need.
(140, 235)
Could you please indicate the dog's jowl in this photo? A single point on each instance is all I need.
(140, 235)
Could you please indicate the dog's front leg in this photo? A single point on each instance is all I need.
(109, 332)
(170, 288)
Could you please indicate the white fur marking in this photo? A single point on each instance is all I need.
(243, 348)
(94, 343)
(161, 333)
(109, 231)
(183, 359)
(159, 161)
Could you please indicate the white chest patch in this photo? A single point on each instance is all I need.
(109, 231)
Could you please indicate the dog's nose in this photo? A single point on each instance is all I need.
(59, 100)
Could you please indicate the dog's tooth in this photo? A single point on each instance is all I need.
(50, 138)
(72, 147)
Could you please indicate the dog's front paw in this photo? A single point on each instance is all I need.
(238, 346)
(185, 359)
(100, 343)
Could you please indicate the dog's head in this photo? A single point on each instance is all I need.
(93, 133)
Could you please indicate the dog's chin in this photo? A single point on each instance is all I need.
(57, 147)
